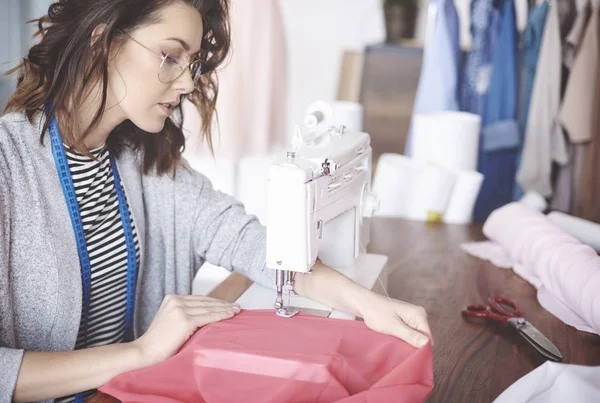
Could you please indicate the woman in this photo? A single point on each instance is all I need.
(99, 214)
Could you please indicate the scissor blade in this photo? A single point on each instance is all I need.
(536, 339)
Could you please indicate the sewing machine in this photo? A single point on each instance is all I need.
(319, 204)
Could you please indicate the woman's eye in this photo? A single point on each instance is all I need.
(169, 58)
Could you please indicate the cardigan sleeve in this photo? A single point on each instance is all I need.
(10, 358)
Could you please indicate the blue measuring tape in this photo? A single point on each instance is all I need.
(66, 181)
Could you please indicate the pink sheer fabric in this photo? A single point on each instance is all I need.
(260, 357)
(565, 272)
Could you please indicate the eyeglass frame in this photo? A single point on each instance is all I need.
(163, 58)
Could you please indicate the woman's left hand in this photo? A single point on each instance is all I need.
(397, 318)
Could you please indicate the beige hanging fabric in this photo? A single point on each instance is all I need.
(544, 139)
(574, 120)
(252, 102)
(587, 188)
(576, 113)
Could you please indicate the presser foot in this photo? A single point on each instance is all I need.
(287, 311)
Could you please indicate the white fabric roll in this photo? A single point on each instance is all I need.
(431, 194)
(584, 231)
(450, 139)
(464, 195)
(394, 183)
(534, 200)
(349, 114)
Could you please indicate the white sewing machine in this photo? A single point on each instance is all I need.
(319, 205)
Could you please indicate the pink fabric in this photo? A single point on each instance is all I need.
(565, 272)
(260, 357)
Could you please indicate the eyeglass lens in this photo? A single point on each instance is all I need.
(170, 69)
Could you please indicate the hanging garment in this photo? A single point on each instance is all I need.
(569, 175)
(521, 14)
(587, 190)
(438, 86)
(532, 39)
(575, 36)
(251, 105)
(500, 130)
(544, 139)
(477, 71)
(260, 357)
(576, 112)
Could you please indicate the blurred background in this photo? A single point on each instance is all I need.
(470, 104)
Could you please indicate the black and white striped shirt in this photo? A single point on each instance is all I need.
(94, 184)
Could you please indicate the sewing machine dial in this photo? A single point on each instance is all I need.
(344, 178)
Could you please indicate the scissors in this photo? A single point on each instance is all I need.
(515, 318)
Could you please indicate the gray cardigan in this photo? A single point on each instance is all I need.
(182, 222)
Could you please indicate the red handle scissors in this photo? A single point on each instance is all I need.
(514, 317)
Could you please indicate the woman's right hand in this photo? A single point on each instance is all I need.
(177, 319)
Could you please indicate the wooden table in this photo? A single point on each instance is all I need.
(474, 361)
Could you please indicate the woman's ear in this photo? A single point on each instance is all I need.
(96, 38)
(97, 34)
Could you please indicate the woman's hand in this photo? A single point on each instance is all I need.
(396, 318)
(381, 314)
(177, 320)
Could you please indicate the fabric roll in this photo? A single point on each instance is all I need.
(431, 194)
(462, 200)
(565, 272)
(349, 114)
(394, 183)
(585, 231)
(450, 139)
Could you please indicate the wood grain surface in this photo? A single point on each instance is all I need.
(474, 360)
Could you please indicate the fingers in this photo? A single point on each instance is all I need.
(195, 301)
(410, 335)
(196, 304)
(198, 310)
(211, 316)
(419, 322)
(413, 326)
(204, 310)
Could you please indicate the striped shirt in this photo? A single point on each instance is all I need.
(94, 185)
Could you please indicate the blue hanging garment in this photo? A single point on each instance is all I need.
(439, 79)
(500, 137)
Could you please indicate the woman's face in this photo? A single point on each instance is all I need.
(134, 87)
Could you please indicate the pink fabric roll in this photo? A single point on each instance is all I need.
(260, 357)
(565, 272)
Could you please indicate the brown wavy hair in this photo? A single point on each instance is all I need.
(66, 64)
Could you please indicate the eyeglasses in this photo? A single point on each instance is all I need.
(171, 68)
